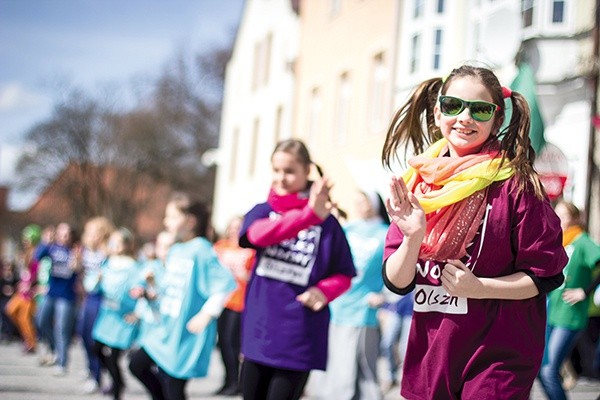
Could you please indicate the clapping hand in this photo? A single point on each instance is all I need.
(319, 198)
(405, 210)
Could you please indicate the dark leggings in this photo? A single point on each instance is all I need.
(228, 326)
(260, 382)
(160, 385)
(109, 358)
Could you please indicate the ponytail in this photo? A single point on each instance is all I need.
(515, 145)
(408, 122)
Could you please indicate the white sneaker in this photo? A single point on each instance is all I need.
(84, 375)
(59, 371)
(90, 386)
(48, 359)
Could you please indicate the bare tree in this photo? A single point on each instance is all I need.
(115, 157)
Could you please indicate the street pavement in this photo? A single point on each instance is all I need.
(21, 378)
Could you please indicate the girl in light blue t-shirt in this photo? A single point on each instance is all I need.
(116, 327)
(190, 296)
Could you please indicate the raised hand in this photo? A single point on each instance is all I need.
(405, 210)
(319, 198)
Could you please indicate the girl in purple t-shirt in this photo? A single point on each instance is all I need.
(303, 261)
(471, 214)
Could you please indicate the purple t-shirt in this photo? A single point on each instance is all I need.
(470, 348)
(277, 330)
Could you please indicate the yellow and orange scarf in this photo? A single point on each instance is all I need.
(451, 191)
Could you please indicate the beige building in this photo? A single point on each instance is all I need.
(338, 69)
(344, 76)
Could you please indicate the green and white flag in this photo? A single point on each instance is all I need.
(525, 84)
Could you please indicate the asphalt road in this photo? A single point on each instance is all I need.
(21, 378)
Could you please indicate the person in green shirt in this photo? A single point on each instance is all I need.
(567, 312)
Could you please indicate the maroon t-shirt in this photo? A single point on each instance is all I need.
(484, 349)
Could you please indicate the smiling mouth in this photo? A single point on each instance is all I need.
(462, 131)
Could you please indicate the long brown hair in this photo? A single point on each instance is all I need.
(414, 124)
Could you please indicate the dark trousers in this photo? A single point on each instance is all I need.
(228, 326)
(159, 384)
(109, 358)
(260, 382)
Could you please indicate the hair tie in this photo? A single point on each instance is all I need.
(506, 92)
(445, 78)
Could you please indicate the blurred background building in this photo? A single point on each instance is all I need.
(332, 73)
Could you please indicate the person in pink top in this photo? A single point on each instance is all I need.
(21, 307)
(303, 262)
(474, 235)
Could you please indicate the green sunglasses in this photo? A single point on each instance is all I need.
(481, 111)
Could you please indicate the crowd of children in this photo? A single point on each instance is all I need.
(290, 289)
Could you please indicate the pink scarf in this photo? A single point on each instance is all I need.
(286, 202)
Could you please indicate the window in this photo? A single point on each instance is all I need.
(235, 138)
(266, 58)
(437, 49)
(314, 114)
(378, 94)
(261, 62)
(254, 147)
(278, 116)
(335, 7)
(342, 114)
(414, 55)
(418, 8)
(440, 7)
(558, 12)
(256, 65)
(527, 13)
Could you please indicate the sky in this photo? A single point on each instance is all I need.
(91, 44)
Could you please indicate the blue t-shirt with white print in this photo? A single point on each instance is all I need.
(192, 274)
(118, 276)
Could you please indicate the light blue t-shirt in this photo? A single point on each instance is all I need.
(147, 311)
(192, 274)
(366, 239)
(92, 261)
(118, 275)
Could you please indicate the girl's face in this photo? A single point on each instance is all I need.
(164, 241)
(464, 134)
(93, 235)
(289, 174)
(178, 223)
(566, 220)
(363, 207)
(233, 230)
(116, 244)
(63, 234)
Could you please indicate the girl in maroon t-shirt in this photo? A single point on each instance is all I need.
(474, 236)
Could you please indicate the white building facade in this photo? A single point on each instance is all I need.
(554, 37)
(257, 105)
